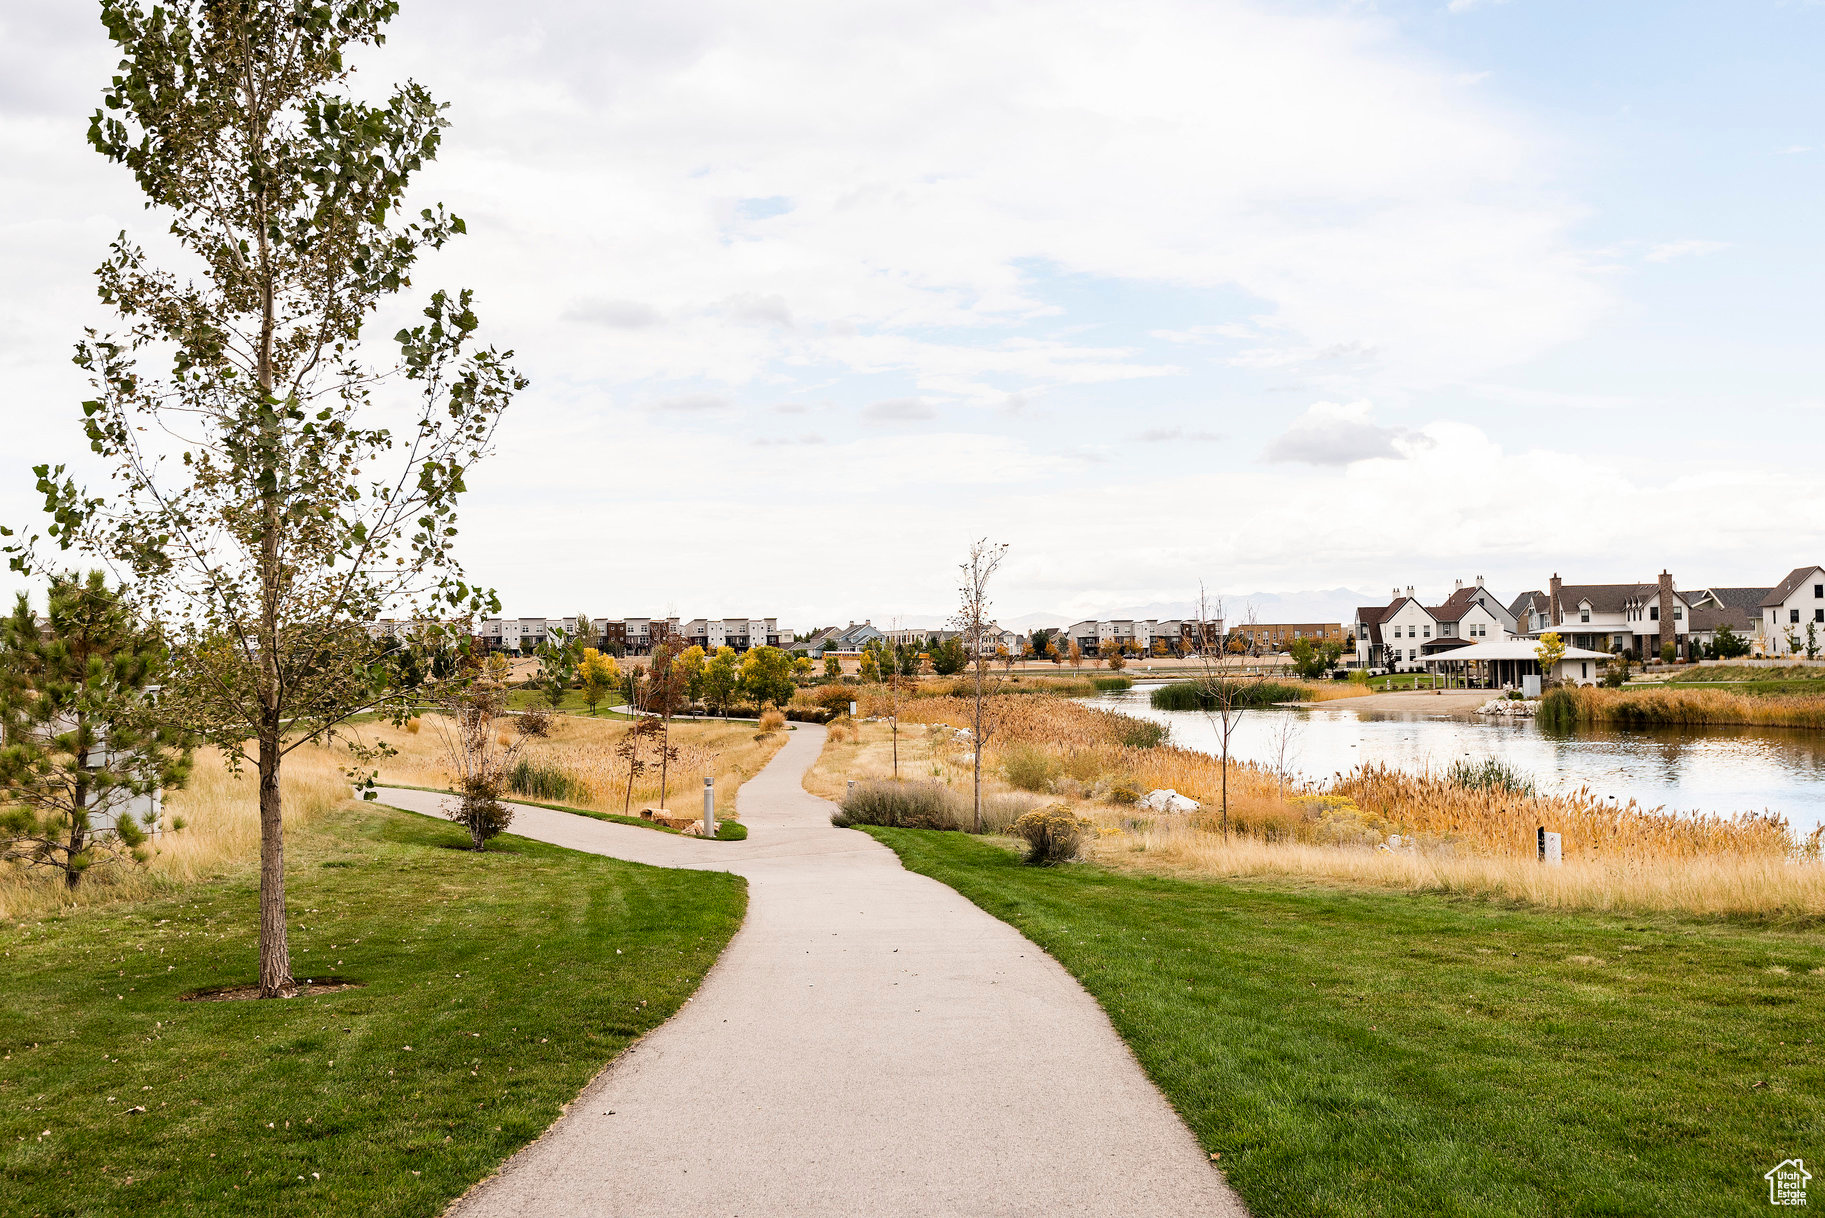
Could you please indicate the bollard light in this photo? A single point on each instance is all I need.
(709, 806)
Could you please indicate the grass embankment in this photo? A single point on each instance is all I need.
(580, 754)
(1454, 836)
(1352, 1053)
(1646, 707)
(491, 991)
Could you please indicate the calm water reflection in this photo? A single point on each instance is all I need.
(1718, 770)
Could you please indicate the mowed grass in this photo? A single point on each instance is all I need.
(494, 986)
(1354, 1053)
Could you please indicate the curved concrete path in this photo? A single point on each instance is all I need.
(870, 1043)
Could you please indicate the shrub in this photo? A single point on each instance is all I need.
(534, 721)
(1489, 774)
(999, 810)
(1029, 767)
(1109, 685)
(412, 725)
(809, 714)
(835, 698)
(1140, 733)
(908, 805)
(1053, 835)
(541, 781)
(1124, 791)
(772, 721)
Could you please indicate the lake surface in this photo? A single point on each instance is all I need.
(1723, 769)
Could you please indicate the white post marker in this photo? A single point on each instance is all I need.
(709, 806)
(852, 710)
(1551, 848)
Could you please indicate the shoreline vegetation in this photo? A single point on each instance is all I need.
(1678, 706)
(1470, 834)
(1195, 695)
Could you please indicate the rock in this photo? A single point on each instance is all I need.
(1167, 800)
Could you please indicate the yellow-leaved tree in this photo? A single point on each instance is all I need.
(599, 674)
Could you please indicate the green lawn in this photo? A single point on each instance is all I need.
(494, 987)
(726, 830)
(1356, 1053)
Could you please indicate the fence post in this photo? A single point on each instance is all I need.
(709, 806)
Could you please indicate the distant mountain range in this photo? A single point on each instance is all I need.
(1323, 605)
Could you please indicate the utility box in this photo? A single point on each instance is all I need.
(1530, 685)
(1551, 848)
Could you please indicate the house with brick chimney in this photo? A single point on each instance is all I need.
(1636, 618)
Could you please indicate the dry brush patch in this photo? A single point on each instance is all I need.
(584, 751)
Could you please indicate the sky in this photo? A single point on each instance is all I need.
(1306, 300)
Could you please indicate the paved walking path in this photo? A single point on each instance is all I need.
(870, 1043)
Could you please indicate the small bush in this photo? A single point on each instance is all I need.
(1029, 767)
(772, 721)
(541, 781)
(907, 805)
(1489, 775)
(1140, 733)
(412, 725)
(1053, 835)
(534, 721)
(1124, 791)
(835, 698)
(809, 714)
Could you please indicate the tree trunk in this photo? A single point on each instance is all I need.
(79, 816)
(275, 954)
(977, 752)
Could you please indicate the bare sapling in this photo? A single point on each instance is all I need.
(1224, 695)
(972, 621)
(481, 756)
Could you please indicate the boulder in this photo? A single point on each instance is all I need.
(1167, 800)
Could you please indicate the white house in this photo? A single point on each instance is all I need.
(1503, 663)
(1793, 613)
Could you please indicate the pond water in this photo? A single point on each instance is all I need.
(1723, 769)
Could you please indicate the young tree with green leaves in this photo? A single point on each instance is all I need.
(559, 656)
(721, 680)
(282, 480)
(766, 676)
(833, 668)
(81, 737)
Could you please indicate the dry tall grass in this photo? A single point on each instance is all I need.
(1724, 885)
(1696, 708)
(221, 815)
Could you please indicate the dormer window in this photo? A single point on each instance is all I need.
(1584, 615)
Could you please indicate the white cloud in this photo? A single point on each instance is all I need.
(1333, 433)
(1690, 247)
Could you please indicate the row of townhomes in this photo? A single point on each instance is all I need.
(1596, 620)
(618, 636)
(1167, 636)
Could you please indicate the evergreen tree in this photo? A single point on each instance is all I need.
(83, 741)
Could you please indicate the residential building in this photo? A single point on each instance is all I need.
(1260, 637)
(1401, 635)
(1793, 613)
(1637, 618)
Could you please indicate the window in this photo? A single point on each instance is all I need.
(1584, 615)
(1818, 615)
(1818, 592)
(1793, 615)
(1679, 611)
(1654, 614)
(1412, 654)
(1428, 632)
